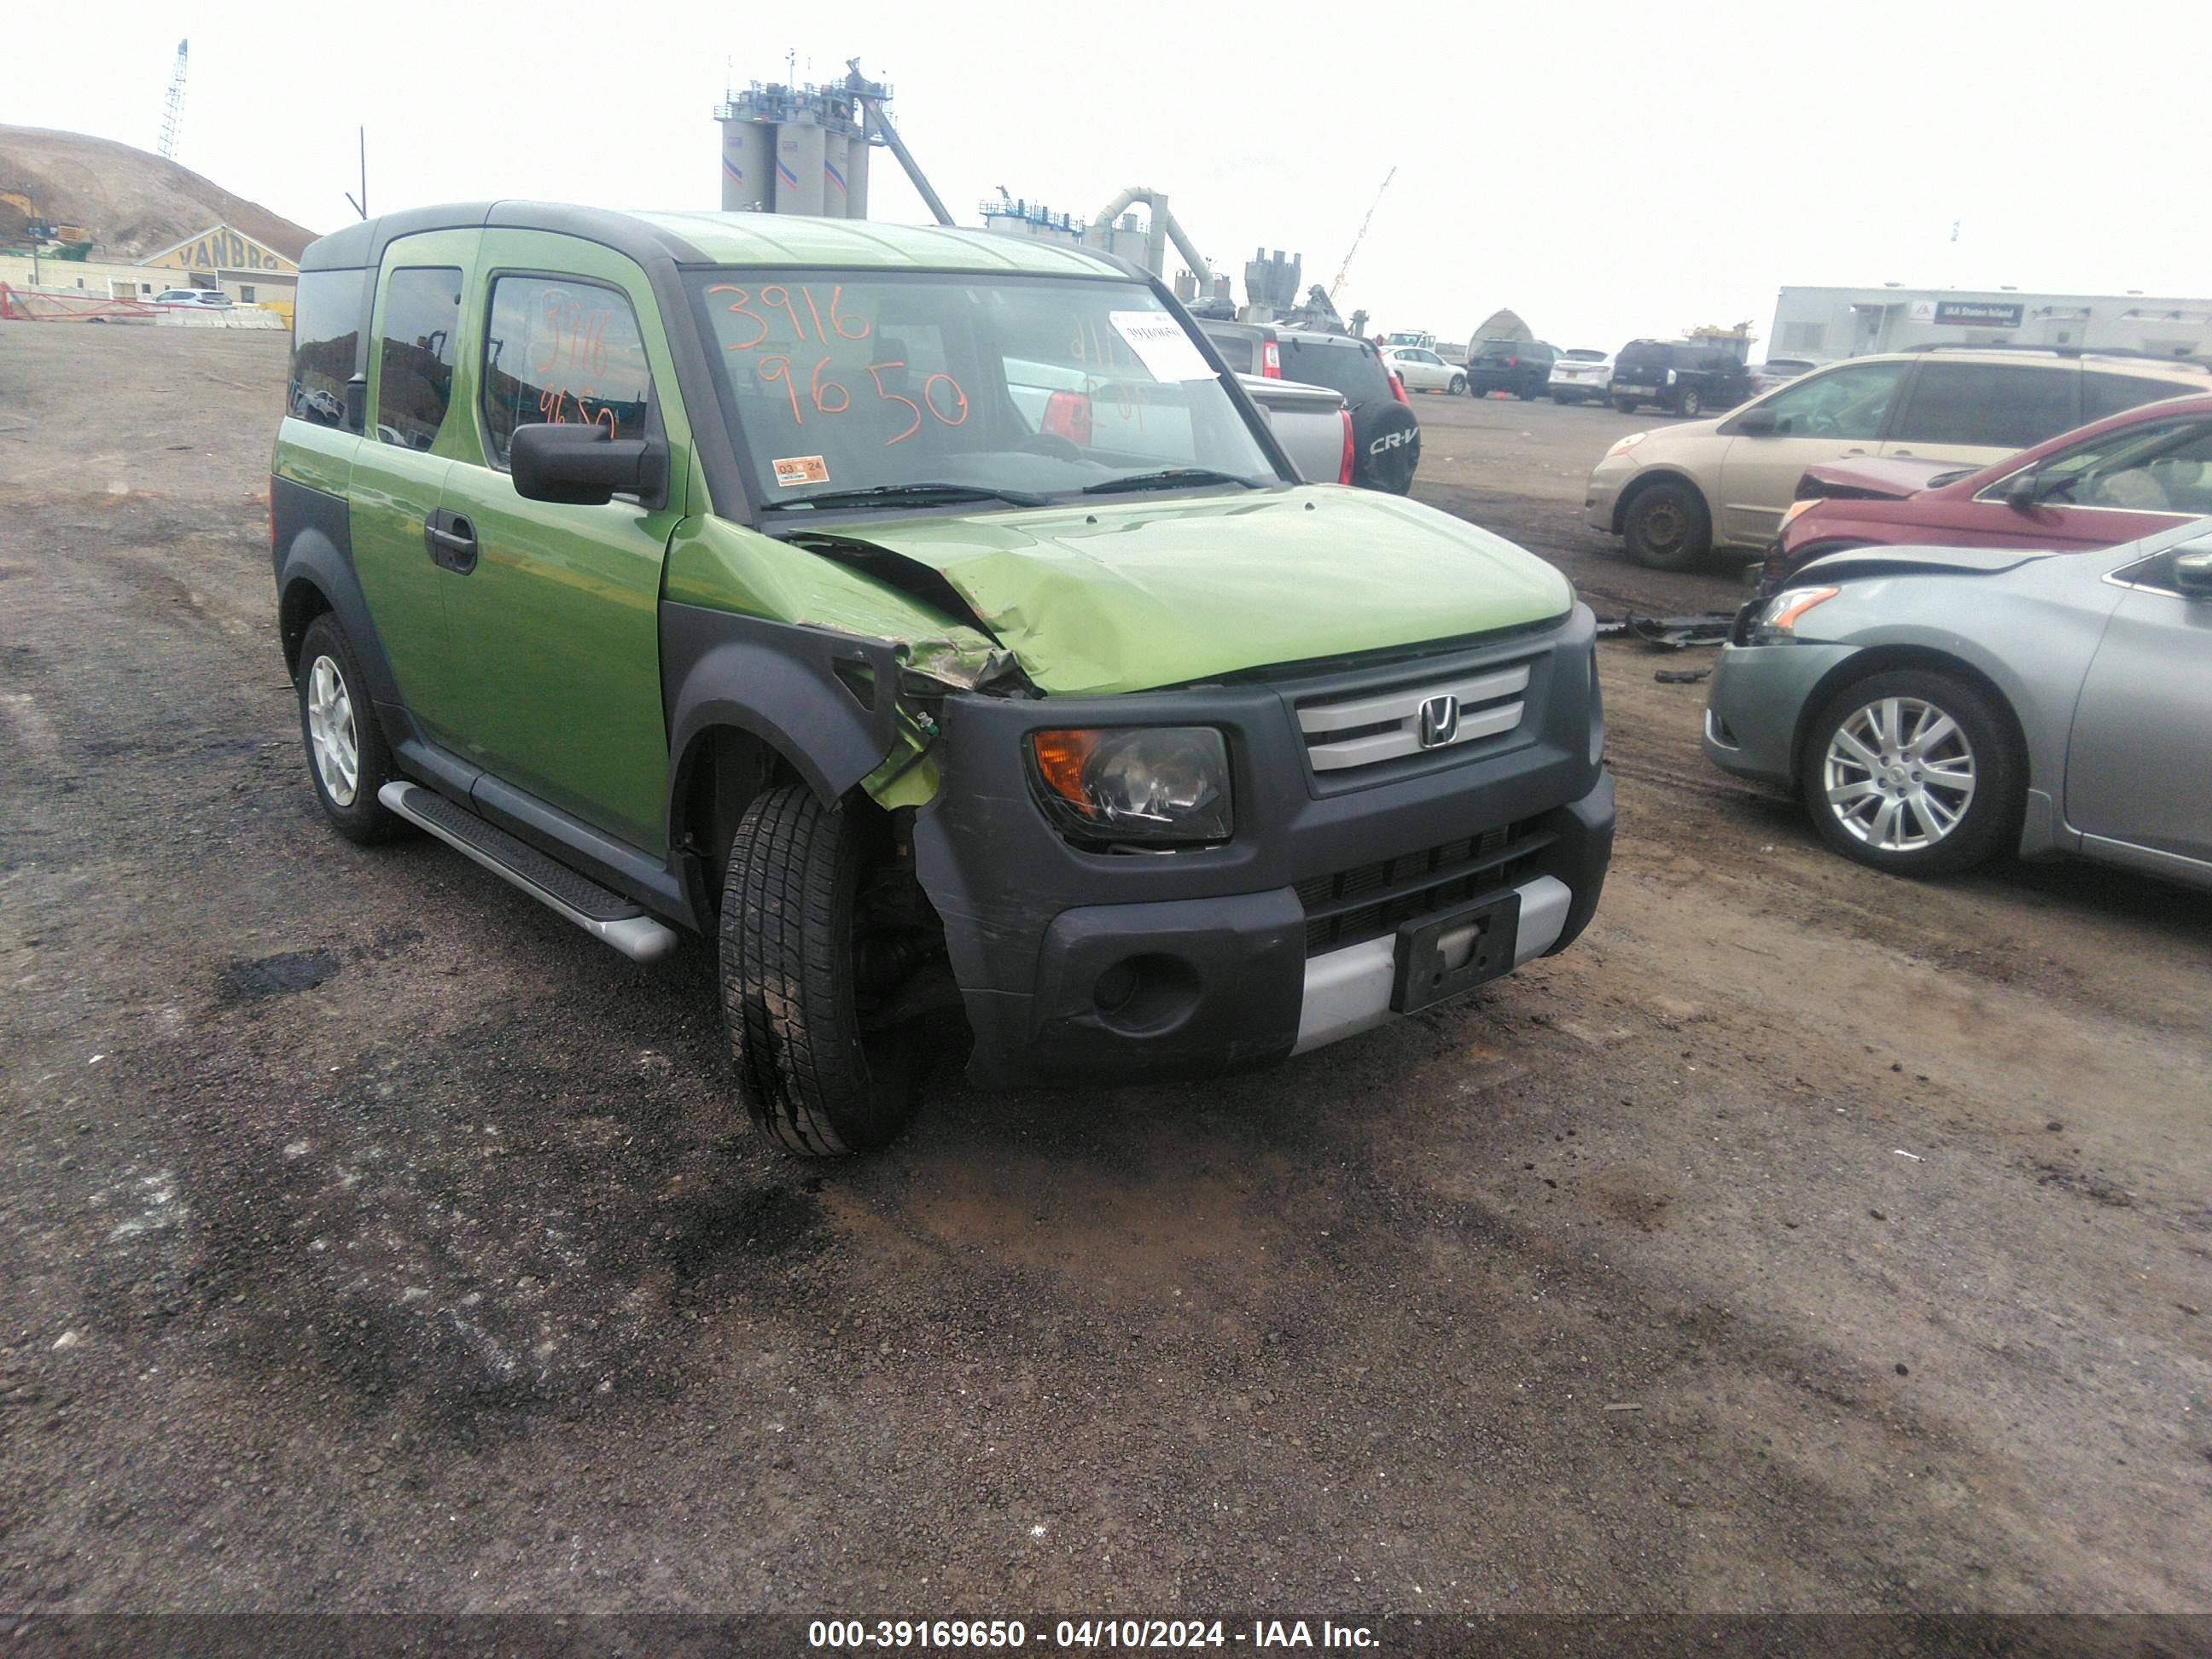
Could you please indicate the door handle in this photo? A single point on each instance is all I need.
(451, 540)
(1900, 452)
(1855, 452)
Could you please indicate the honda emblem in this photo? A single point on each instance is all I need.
(1439, 721)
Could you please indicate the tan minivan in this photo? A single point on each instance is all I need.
(1677, 492)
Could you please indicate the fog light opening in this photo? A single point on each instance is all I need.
(1146, 994)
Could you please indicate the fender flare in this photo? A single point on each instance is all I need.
(781, 683)
(321, 556)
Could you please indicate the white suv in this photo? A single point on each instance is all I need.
(213, 298)
(1676, 492)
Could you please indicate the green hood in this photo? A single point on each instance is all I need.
(1127, 595)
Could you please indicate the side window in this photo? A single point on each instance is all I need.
(1849, 403)
(1992, 405)
(2157, 571)
(2106, 393)
(414, 357)
(561, 350)
(1236, 351)
(326, 330)
(2157, 467)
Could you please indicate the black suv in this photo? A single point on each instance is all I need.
(1522, 368)
(1681, 376)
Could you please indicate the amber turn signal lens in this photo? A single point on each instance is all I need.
(1060, 759)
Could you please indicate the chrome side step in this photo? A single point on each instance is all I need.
(576, 898)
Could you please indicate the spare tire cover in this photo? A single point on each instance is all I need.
(1386, 446)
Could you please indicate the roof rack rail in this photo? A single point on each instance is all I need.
(2047, 350)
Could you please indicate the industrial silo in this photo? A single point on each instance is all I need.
(799, 155)
(834, 182)
(856, 174)
(748, 166)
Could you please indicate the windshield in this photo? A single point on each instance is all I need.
(846, 381)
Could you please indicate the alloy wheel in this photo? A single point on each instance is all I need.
(1898, 775)
(330, 730)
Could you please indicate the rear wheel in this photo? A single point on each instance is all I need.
(832, 972)
(347, 755)
(1913, 772)
(1561, 398)
(1458, 384)
(1689, 405)
(1667, 527)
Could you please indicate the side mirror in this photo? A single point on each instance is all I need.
(586, 465)
(2022, 491)
(1758, 423)
(2192, 574)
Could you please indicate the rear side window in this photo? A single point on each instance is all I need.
(2105, 393)
(1991, 405)
(1353, 369)
(326, 329)
(565, 352)
(1236, 350)
(414, 357)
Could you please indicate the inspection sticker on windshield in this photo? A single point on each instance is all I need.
(1160, 344)
(800, 469)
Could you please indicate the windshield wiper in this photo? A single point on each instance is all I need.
(908, 494)
(1170, 477)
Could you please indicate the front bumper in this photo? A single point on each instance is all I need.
(1606, 480)
(1756, 702)
(1209, 953)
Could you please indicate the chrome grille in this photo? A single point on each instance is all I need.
(1368, 728)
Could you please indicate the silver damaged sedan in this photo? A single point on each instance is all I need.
(1935, 706)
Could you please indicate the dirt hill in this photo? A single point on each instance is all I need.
(135, 204)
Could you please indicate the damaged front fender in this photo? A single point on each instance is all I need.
(826, 662)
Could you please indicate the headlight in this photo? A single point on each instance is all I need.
(1622, 446)
(1163, 783)
(1797, 511)
(1777, 620)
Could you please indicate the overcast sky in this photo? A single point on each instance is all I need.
(1607, 170)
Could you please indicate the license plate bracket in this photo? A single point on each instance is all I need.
(1439, 957)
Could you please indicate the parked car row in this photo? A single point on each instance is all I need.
(1675, 494)
(1946, 662)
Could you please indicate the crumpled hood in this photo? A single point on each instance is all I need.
(1886, 477)
(1126, 595)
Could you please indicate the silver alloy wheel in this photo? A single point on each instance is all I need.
(330, 732)
(1899, 774)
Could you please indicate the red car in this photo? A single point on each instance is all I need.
(2113, 480)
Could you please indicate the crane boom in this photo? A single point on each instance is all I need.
(1362, 235)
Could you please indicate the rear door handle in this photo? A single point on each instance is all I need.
(451, 541)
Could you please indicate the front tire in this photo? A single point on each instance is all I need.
(347, 758)
(1913, 772)
(1625, 406)
(815, 1080)
(1689, 405)
(1667, 527)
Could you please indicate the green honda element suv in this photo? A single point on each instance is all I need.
(926, 617)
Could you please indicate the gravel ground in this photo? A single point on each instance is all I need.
(1801, 1239)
